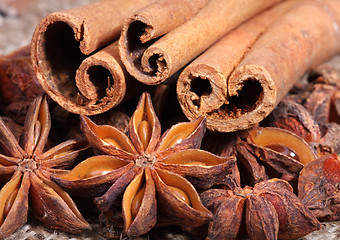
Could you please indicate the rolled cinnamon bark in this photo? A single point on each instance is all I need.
(63, 40)
(202, 85)
(152, 57)
(102, 81)
(255, 65)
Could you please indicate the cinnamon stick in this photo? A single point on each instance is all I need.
(240, 87)
(153, 52)
(63, 40)
(212, 69)
(102, 81)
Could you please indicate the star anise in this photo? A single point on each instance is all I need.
(324, 100)
(146, 172)
(270, 210)
(263, 153)
(319, 187)
(324, 105)
(294, 117)
(269, 152)
(316, 117)
(27, 168)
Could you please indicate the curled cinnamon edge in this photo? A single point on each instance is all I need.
(102, 77)
(78, 83)
(250, 98)
(53, 46)
(75, 56)
(146, 63)
(138, 53)
(151, 64)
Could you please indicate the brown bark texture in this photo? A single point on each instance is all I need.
(75, 57)
(239, 80)
(153, 48)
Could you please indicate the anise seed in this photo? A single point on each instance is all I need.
(196, 163)
(137, 202)
(61, 154)
(180, 194)
(284, 150)
(144, 132)
(98, 172)
(9, 202)
(37, 131)
(282, 139)
(177, 139)
(112, 142)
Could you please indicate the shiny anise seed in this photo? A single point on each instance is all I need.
(144, 131)
(284, 150)
(98, 172)
(112, 142)
(9, 202)
(180, 194)
(137, 202)
(195, 163)
(284, 142)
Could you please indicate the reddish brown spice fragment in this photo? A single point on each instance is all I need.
(18, 84)
(319, 187)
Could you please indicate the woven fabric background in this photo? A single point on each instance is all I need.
(18, 19)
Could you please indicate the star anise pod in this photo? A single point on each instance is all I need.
(270, 210)
(316, 116)
(294, 117)
(146, 172)
(319, 187)
(324, 101)
(269, 152)
(27, 168)
(263, 153)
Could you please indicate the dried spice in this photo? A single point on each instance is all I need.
(26, 167)
(324, 103)
(81, 69)
(319, 187)
(270, 210)
(316, 118)
(18, 84)
(239, 87)
(330, 138)
(294, 117)
(272, 153)
(143, 173)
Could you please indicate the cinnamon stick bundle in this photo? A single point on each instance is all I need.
(153, 52)
(62, 43)
(239, 80)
